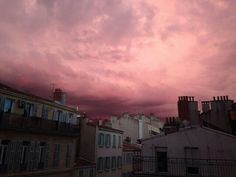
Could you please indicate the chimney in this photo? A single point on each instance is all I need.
(59, 96)
(100, 122)
(227, 98)
(221, 98)
(218, 98)
(214, 98)
(224, 98)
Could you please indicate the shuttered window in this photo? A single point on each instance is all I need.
(108, 163)
(113, 163)
(108, 140)
(3, 151)
(68, 155)
(119, 162)
(45, 111)
(56, 156)
(119, 142)
(100, 164)
(114, 141)
(100, 139)
(7, 105)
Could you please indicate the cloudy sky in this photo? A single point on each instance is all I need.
(114, 56)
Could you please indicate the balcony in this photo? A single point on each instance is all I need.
(36, 125)
(181, 167)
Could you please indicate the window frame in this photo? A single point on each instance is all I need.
(107, 163)
(100, 164)
(113, 162)
(114, 141)
(101, 139)
(107, 140)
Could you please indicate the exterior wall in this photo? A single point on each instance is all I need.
(25, 138)
(109, 151)
(212, 144)
(137, 126)
(129, 125)
(88, 142)
(127, 165)
(85, 172)
(69, 114)
(51, 141)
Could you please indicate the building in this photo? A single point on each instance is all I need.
(84, 168)
(188, 109)
(38, 137)
(217, 113)
(102, 145)
(171, 125)
(129, 151)
(136, 127)
(192, 150)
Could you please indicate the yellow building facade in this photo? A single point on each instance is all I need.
(38, 137)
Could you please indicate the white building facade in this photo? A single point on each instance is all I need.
(103, 146)
(191, 151)
(137, 126)
(109, 152)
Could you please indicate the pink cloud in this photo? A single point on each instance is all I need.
(117, 56)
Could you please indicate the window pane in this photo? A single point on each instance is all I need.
(114, 141)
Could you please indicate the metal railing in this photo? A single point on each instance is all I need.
(35, 124)
(182, 167)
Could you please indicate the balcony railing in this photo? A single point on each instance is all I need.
(181, 167)
(35, 124)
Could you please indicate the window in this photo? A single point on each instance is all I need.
(108, 163)
(100, 164)
(56, 156)
(45, 112)
(81, 173)
(114, 141)
(42, 155)
(8, 105)
(64, 117)
(25, 150)
(59, 115)
(108, 140)
(68, 155)
(113, 163)
(119, 162)
(101, 140)
(3, 151)
(73, 119)
(91, 173)
(119, 142)
(28, 110)
(190, 154)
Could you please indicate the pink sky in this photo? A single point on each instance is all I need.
(114, 56)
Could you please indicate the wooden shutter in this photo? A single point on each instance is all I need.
(10, 157)
(46, 159)
(18, 154)
(35, 109)
(36, 155)
(55, 114)
(30, 157)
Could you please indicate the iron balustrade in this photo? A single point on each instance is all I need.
(35, 124)
(182, 167)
